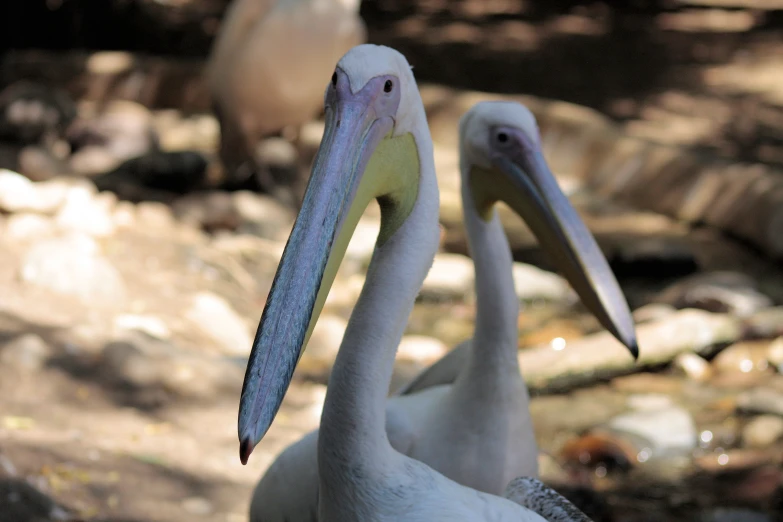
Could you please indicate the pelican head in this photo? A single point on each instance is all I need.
(502, 160)
(368, 151)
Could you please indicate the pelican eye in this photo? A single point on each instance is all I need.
(334, 79)
(502, 137)
(387, 87)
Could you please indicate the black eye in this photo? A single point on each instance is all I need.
(334, 79)
(502, 137)
(387, 87)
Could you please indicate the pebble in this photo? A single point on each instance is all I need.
(85, 212)
(766, 323)
(26, 352)
(262, 215)
(694, 367)
(72, 264)
(19, 194)
(720, 291)
(743, 357)
(421, 349)
(761, 400)
(652, 312)
(324, 343)
(667, 430)
(216, 318)
(361, 246)
(533, 284)
(130, 364)
(775, 354)
(451, 277)
(762, 431)
(27, 226)
(150, 325)
(197, 506)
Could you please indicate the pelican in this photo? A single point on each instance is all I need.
(268, 65)
(376, 145)
(476, 429)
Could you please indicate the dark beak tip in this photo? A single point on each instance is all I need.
(633, 347)
(245, 449)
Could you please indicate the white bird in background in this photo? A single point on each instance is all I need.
(268, 65)
(474, 425)
(377, 145)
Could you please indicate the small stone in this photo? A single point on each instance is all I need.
(743, 357)
(652, 312)
(362, 245)
(668, 430)
(451, 277)
(72, 264)
(345, 292)
(694, 367)
(421, 349)
(762, 431)
(766, 323)
(761, 400)
(26, 352)
(85, 212)
(209, 210)
(324, 343)
(646, 382)
(152, 215)
(150, 325)
(533, 284)
(22, 227)
(18, 194)
(126, 361)
(216, 318)
(648, 401)
(262, 215)
(775, 354)
(197, 506)
(722, 291)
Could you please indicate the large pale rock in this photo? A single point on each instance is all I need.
(217, 319)
(72, 264)
(451, 277)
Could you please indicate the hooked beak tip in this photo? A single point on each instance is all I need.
(633, 347)
(245, 449)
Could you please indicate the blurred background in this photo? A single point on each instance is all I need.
(135, 261)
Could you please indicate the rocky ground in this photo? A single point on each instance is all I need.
(125, 323)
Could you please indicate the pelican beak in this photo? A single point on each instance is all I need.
(521, 178)
(346, 176)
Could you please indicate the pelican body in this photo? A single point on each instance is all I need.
(268, 65)
(377, 145)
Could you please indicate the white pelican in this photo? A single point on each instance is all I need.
(476, 431)
(268, 65)
(376, 145)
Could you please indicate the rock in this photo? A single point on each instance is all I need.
(32, 112)
(276, 152)
(18, 194)
(766, 323)
(39, 164)
(421, 349)
(85, 212)
(216, 318)
(733, 515)
(762, 431)
(156, 175)
(692, 366)
(361, 246)
(345, 292)
(213, 210)
(321, 350)
(533, 284)
(647, 383)
(649, 401)
(451, 277)
(24, 227)
(725, 292)
(26, 352)
(262, 216)
(123, 130)
(743, 357)
(129, 363)
(154, 216)
(667, 430)
(600, 355)
(72, 264)
(197, 506)
(775, 354)
(652, 312)
(150, 325)
(761, 400)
